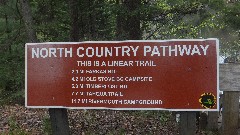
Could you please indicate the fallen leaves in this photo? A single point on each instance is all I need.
(88, 122)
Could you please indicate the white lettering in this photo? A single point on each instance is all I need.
(184, 49)
(35, 53)
(172, 50)
(78, 52)
(44, 52)
(90, 51)
(146, 50)
(195, 50)
(204, 49)
(134, 50)
(155, 51)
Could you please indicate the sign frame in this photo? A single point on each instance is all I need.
(217, 65)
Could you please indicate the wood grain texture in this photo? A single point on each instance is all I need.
(230, 113)
(229, 77)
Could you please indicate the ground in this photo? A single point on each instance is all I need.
(18, 119)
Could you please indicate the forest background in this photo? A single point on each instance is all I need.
(23, 21)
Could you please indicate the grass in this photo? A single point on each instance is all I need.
(14, 128)
(47, 128)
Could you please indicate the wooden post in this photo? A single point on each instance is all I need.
(230, 113)
(203, 121)
(59, 121)
(187, 123)
(212, 123)
(229, 75)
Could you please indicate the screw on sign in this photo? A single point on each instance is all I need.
(142, 74)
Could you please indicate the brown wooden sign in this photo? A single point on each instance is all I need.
(164, 74)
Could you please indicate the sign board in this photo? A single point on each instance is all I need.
(161, 74)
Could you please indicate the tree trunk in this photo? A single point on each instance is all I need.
(8, 32)
(128, 24)
(120, 33)
(28, 21)
(74, 31)
(133, 19)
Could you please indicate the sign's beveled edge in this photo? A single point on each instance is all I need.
(190, 40)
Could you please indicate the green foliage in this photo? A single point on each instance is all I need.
(47, 128)
(12, 75)
(15, 129)
(11, 53)
(230, 32)
(210, 133)
(163, 116)
(232, 15)
(52, 20)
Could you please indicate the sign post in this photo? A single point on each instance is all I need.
(187, 123)
(229, 84)
(178, 75)
(59, 121)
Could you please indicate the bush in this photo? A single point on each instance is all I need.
(12, 75)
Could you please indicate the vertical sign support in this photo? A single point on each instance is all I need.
(212, 121)
(187, 123)
(229, 84)
(59, 121)
(230, 112)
